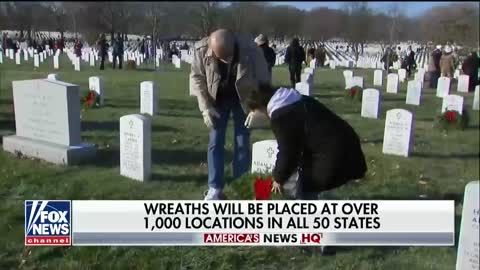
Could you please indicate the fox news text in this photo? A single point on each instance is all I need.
(240, 223)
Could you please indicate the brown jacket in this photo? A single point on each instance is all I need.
(205, 76)
(446, 65)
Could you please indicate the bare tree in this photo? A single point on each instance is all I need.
(358, 20)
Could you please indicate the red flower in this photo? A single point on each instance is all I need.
(451, 116)
(353, 91)
(90, 98)
(263, 189)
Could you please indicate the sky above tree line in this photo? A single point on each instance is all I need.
(410, 9)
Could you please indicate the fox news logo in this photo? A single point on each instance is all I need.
(47, 223)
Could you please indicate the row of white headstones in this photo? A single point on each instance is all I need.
(89, 55)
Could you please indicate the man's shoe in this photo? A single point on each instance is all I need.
(213, 194)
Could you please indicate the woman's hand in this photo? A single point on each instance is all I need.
(276, 188)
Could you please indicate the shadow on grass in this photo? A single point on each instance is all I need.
(6, 101)
(115, 126)
(327, 96)
(199, 179)
(172, 114)
(110, 157)
(473, 127)
(123, 106)
(451, 156)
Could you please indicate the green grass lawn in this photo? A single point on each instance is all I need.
(444, 162)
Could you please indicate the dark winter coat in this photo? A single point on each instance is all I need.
(270, 55)
(118, 46)
(332, 153)
(470, 68)
(294, 56)
(102, 47)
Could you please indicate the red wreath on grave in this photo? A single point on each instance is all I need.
(451, 119)
(91, 99)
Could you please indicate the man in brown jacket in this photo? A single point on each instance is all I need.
(225, 69)
(447, 63)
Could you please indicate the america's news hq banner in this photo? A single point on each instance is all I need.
(238, 223)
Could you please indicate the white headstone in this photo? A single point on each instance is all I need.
(332, 64)
(392, 83)
(55, 62)
(17, 58)
(348, 74)
(53, 77)
(36, 61)
(419, 76)
(77, 64)
(264, 155)
(148, 98)
(452, 103)
(370, 103)
(456, 73)
(92, 60)
(414, 92)
(135, 147)
(402, 74)
(96, 84)
(25, 55)
(306, 78)
(303, 88)
(309, 70)
(463, 81)
(476, 98)
(357, 81)
(41, 57)
(313, 63)
(398, 132)
(378, 77)
(47, 121)
(468, 242)
(443, 86)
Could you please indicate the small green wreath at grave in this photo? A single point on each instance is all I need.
(91, 100)
(452, 120)
(131, 65)
(354, 94)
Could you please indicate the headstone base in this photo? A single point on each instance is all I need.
(54, 153)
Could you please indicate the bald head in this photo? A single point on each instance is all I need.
(222, 43)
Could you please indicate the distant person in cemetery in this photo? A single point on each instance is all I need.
(294, 57)
(312, 140)
(470, 68)
(226, 67)
(142, 47)
(434, 66)
(310, 54)
(447, 62)
(118, 51)
(102, 48)
(78, 48)
(321, 55)
(388, 59)
(269, 53)
(410, 59)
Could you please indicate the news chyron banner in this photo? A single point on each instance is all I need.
(239, 223)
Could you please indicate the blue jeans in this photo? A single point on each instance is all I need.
(216, 145)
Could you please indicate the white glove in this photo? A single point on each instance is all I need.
(256, 119)
(208, 115)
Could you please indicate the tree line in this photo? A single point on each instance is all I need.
(356, 23)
